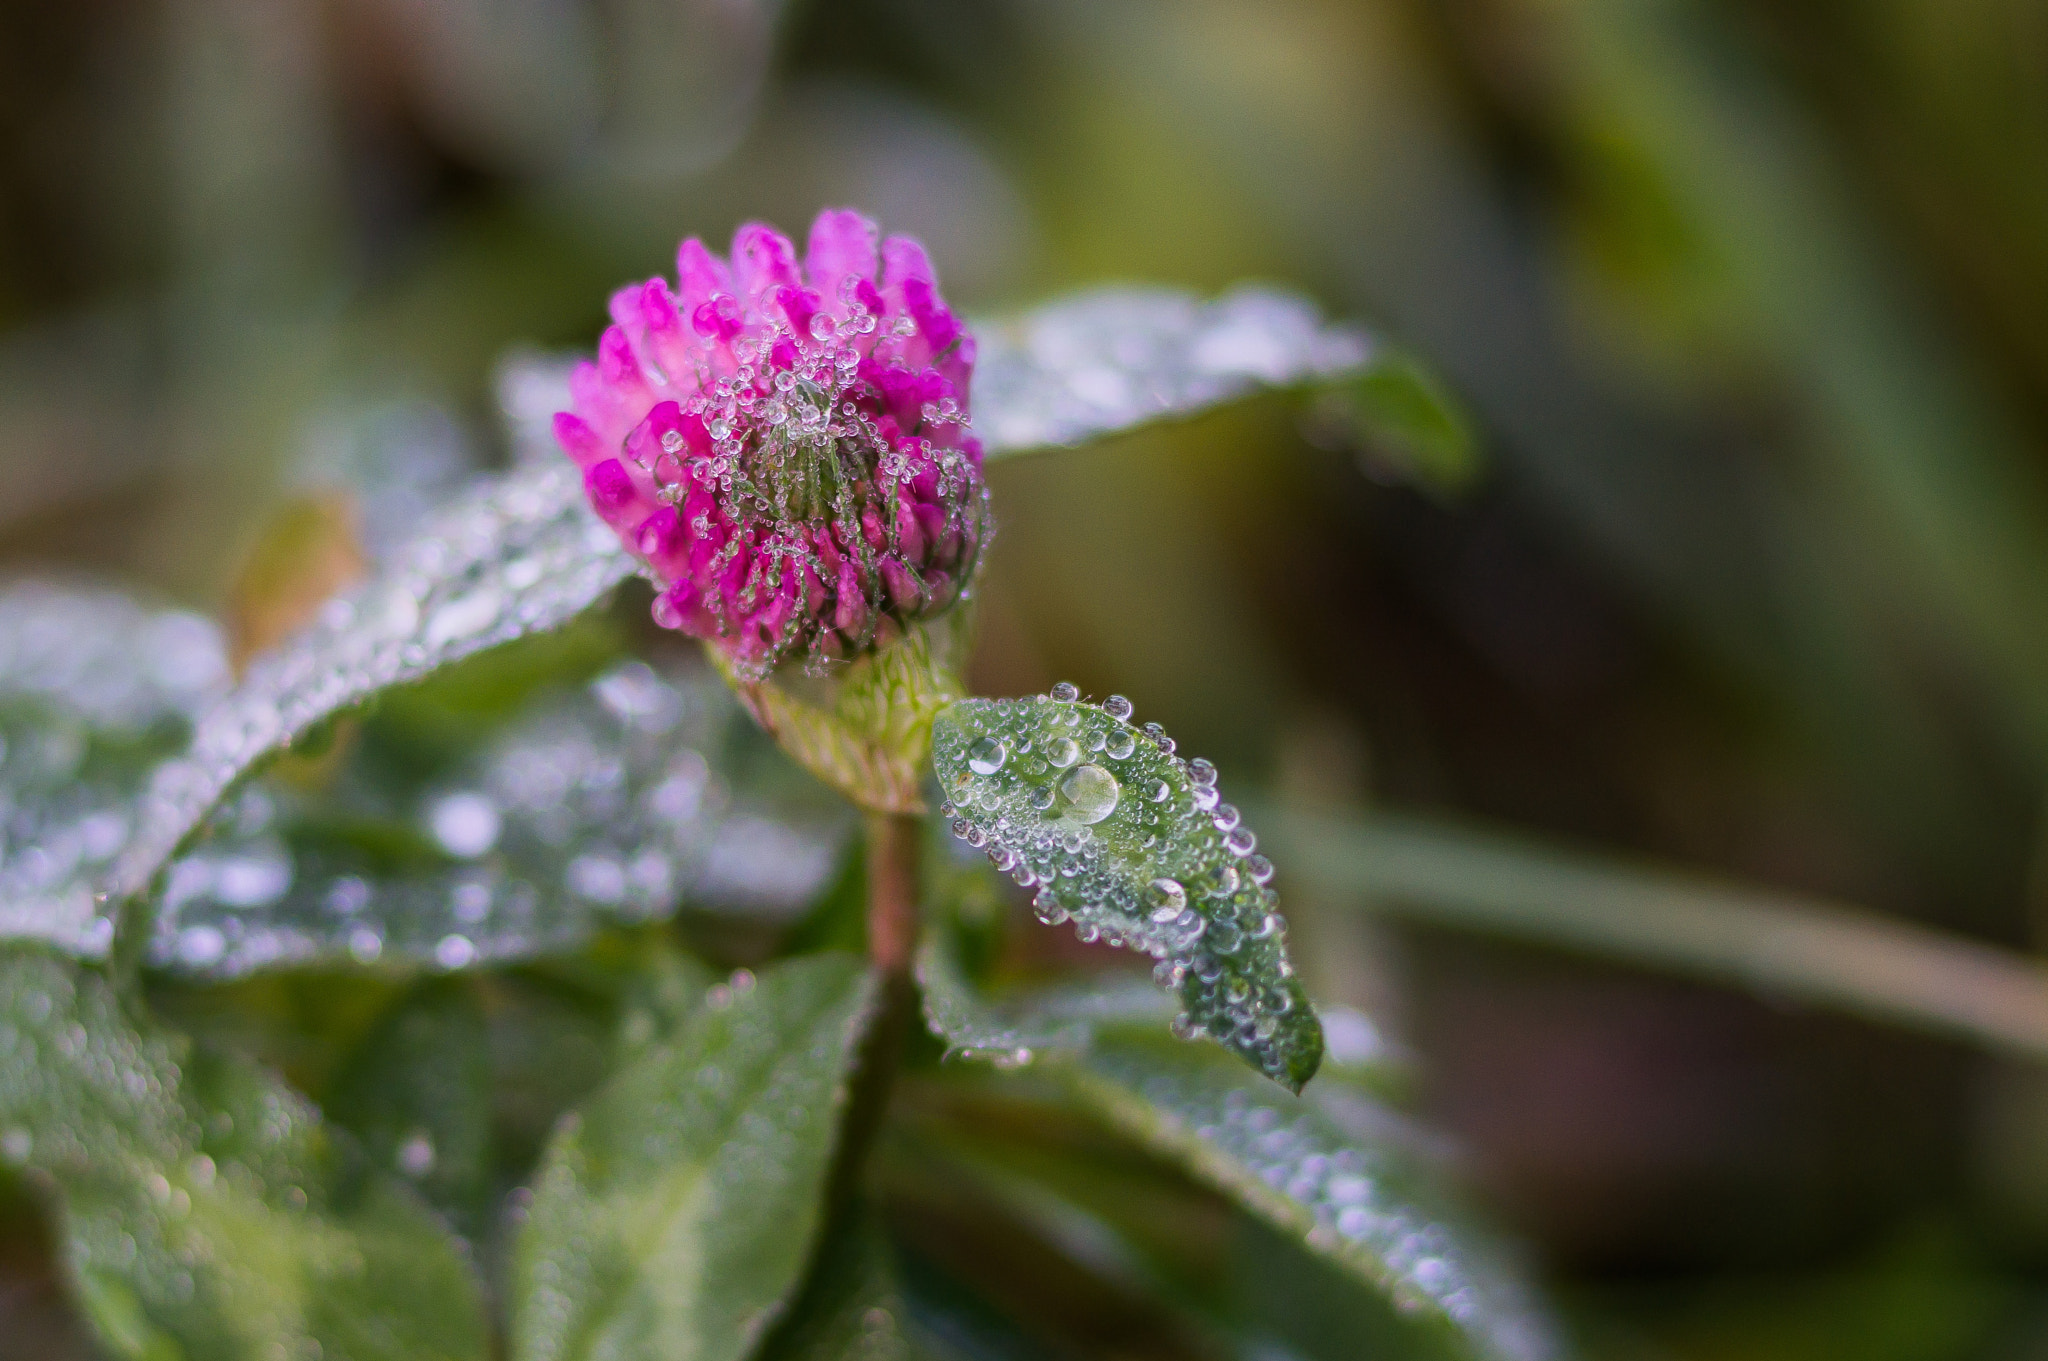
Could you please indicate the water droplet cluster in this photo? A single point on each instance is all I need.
(1357, 1200)
(1105, 360)
(604, 805)
(94, 691)
(787, 446)
(1136, 847)
(518, 555)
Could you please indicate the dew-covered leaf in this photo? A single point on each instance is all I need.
(1012, 1032)
(1134, 845)
(1109, 359)
(610, 804)
(203, 1208)
(520, 554)
(674, 1211)
(1330, 1170)
(95, 690)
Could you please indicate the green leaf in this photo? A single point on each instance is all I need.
(1401, 415)
(610, 804)
(204, 1208)
(673, 1213)
(852, 1308)
(1786, 945)
(1090, 365)
(1134, 845)
(1014, 1032)
(1326, 1172)
(519, 555)
(95, 690)
(416, 1093)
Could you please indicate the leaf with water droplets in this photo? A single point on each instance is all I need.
(1014, 1031)
(206, 1209)
(612, 803)
(674, 1211)
(1085, 366)
(95, 690)
(1135, 846)
(1327, 1170)
(518, 555)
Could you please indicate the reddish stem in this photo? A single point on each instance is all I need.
(895, 847)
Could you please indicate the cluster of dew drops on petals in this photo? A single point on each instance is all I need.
(797, 445)
(1132, 844)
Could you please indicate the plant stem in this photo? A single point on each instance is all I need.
(895, 849)
(895, 845)
(1814, 951)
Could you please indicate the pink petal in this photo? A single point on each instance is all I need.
(762, 259)
(699, 274)
(841, 251)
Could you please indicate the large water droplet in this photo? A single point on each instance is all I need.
(986, 757)
(1091, 793)
(1166, 898)
(1220, 882)
(1063, 752)
(1066, 692)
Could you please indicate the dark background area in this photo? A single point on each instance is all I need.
(1749, 304)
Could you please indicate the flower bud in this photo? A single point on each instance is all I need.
(786, 446)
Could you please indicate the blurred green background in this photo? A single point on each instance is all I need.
(1748, 302)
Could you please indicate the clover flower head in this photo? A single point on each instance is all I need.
(786, 444)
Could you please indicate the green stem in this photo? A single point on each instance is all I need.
(1823, 953)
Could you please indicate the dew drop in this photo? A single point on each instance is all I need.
(1220, 882)
(415, 1156)
(1166, 898)
(1066, 692)
(986, 757)
(1117, 707)
(454, 952)
(1091, 793)
(1063, 752)
(1120, 743)
(1201, 773)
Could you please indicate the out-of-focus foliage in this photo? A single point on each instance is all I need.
(1745, 304)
